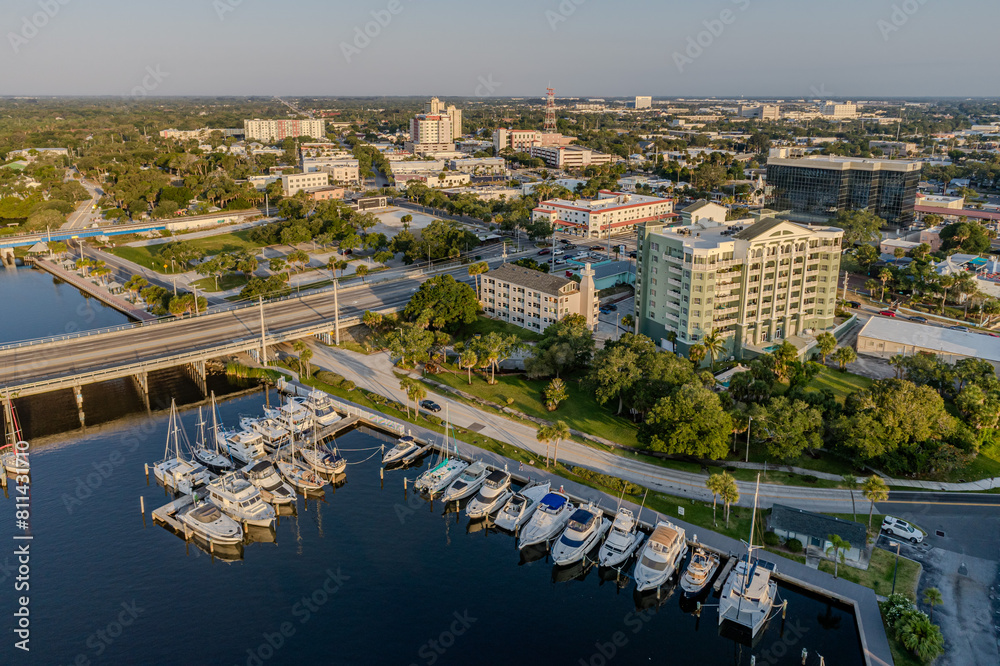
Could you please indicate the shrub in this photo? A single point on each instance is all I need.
(771, 539)
(894, 607)
(809, 478)
(330, 378)
(378, 398)
(612, 482)
(794, 545)
(433, 420)
(348, 385)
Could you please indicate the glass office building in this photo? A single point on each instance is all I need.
(822, 186)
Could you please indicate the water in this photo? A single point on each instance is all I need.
(363, 576)
(36, 305)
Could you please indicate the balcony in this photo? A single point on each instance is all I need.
(673, 260)
(674, 283)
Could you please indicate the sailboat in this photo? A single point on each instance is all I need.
(321, 459)
(298, 475)
(175, 471)
(207, 452)
(749, 592)
(440, 476)
(14, 463)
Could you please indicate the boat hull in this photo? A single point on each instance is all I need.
(564, 556)
(477, 510)
(615, 558)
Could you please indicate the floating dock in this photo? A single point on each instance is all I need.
(165, 514)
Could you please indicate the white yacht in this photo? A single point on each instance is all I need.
(521, 506)
(175, 470)
(440, 476)
(301, 477)
(586, 527)
(623, 540)
(270, 430)
(323, 460)
(206, 521)
(244, 445)
(293, 417)
(468, 482)
(700, 571)
(320, 405)
(660, 557)
(493, 495)
(272, 487)
(240, 500)
(14, 463)
(404, 447)
(749, 592)
(551, 517)
(207, 453)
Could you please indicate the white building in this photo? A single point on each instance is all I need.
(480, 166)
(704, 210)
(610, 213)
(343, 170)
(279, 130)
(643, 102)
(885, 337)
(533, 300)
(430, 133)
(835, 111)
(570, 157)
(294, 183)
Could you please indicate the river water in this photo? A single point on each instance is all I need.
(365, 575)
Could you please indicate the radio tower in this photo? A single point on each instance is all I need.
(550, 110)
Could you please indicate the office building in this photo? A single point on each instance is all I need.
(521, 141)
(279, 130)
(757, 284)
(818, 187)
(570, 157)
(343, 170)
(430, 133)
(611, 213)
(643, 102)
(894, 148)
(836, 111)
(533, 300)
(291, 184)
(480, 166)
(435, 107)
(761, 112)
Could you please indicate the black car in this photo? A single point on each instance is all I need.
(605, 310)
(964, 329)
(565, 241)
(430, 405)
(633, 254)
(596, 247)
(854, 304)
(920, 320)
(612, 307)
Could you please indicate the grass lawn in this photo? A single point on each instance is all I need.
(226, 282)
(878, 577)
(149, 256)
(581, 411)
(841, 383)
(485, 325)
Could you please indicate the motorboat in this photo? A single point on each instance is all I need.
(700, 571)
(493, 495)
(272, 487)
(207, 453)
(749, 592)
(623, 540)
(240, 500)
(521, 506)
(440, 476)
(548, 520)
(176, 471)
(270, 431)
(208, 522)
(244, 445)
(585, 529)
(15, 461)
(320, 405)
(660, 557)
(467, 483)
(404, 447)
(292, 415)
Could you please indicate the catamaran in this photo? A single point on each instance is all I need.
(468, 482)
(519, 509)
(404, 447)
(622, 541)
(660, 557)
(586, 527)
(700, 571)
(240, 500)
(206, 451)
(272, 487)
(320, 405)
(551, 517)
(493, 495)
(175, 471)
(749, 592)
(208, 522)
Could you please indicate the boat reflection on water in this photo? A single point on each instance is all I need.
(228, 553)
(654, 598)
(612, 575)
(579, 570)
(481, 525)
(256, 534)
(534, 553)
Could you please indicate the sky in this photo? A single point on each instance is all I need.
(583, 48)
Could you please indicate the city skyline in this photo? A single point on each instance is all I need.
(232, 48)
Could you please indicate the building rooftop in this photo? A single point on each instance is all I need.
(944, 340)
(817, 525)
(532, 279)
(844, 163)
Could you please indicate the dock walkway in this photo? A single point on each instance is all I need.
(98, 292)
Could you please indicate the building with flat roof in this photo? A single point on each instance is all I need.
(813, 530)
(762, 112)
(756, 284)
(820, 186)
(325, 193)
(886, 337)
(521, 141)
(293, 183)
(645, 102)
(533, 300)
(839, 111)
(431, 133)
(569, 157)
(279, 130)
(611, 213)
(480, 166)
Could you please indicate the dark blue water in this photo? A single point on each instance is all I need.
(364, 576)
(36, 305)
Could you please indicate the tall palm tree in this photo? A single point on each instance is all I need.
(475, 270)
(838, 545)
(697, 354)
(851, 483)
(406, 384)
(844, 356)
(875, 490)
(898, 363)
(714, 345)
(884, 276)
(826, 342)
(714, 483)
(730, 492)
(545, 436)
(560, 431)
(932, 597)
(468, 360)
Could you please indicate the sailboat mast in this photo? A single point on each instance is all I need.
(753, 517)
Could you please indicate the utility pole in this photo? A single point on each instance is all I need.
(263, 339)
(196, 313)
(336, 313)
(846, 276)
(748, 438)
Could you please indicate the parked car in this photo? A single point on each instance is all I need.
(919, 320)
(902, 529)
(887, 313)
(633, 254)
(565, 241)
(542, 253)
(964, 329)
(430, 405)
(854, 304)
(605, 310)
(596, 247)
(346, 252)
(992, 335)
(612, 307)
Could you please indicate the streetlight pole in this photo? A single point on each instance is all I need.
(749, 423)
(894, 569)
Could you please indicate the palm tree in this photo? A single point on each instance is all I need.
(729, 492)
(714, 483)
(844, 356)
(468, 360)
(416, 393)
(714, 345)
(838, 545)
(944, 284)
(871, 285)
(920, 636)
(361, 271)
(826, 342)
(628, 322)
(898, 363)
(559, 432)
(405, 384)
(851, 483)
(884, 275)
(545, 436)
(697, 354)
(875, 490)
(932, 597)
(475, 270)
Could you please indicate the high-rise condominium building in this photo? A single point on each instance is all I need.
(278, 130)
(436, 107)
(755, 283)
(643, 102)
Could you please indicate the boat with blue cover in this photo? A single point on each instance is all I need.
(551, 517)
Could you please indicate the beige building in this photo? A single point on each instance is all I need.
(291, 184)
(756, 284)
(278, 130)
(533, 300)
(611, 213)
(835, 111)
(886, 337)
(645, 102)
(704, 210)
(762, 111)
(569, 157)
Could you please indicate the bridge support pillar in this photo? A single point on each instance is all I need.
(325, 338)
(196, 371)
(78, 392)
(7, 256)
(142, 386)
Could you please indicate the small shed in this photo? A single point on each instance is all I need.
(814, 530)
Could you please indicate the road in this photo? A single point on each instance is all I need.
(84, 215)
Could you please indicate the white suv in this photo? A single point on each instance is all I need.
(902, 529)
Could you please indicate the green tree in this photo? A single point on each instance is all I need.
(468, 360)
(850, 482)
(298, 259)
(410, 342)
(614, 372)
(494, 348)
(567, 344)
(838, 547)
(361, 271)
(866, 255)
(860, 226)
(555, 393)
(826, 342)
(628, 322)
(406, 385)
(729, 492)
(714, 345)
(475, 270)
(845, 356)
(553, 433)
(697, 354)
(871, 285)
(787, 427)
(442, 303)
(932, 597)
(691, 421)
(874, 490)
(885, 276)
(715, 482)
(920, 636)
